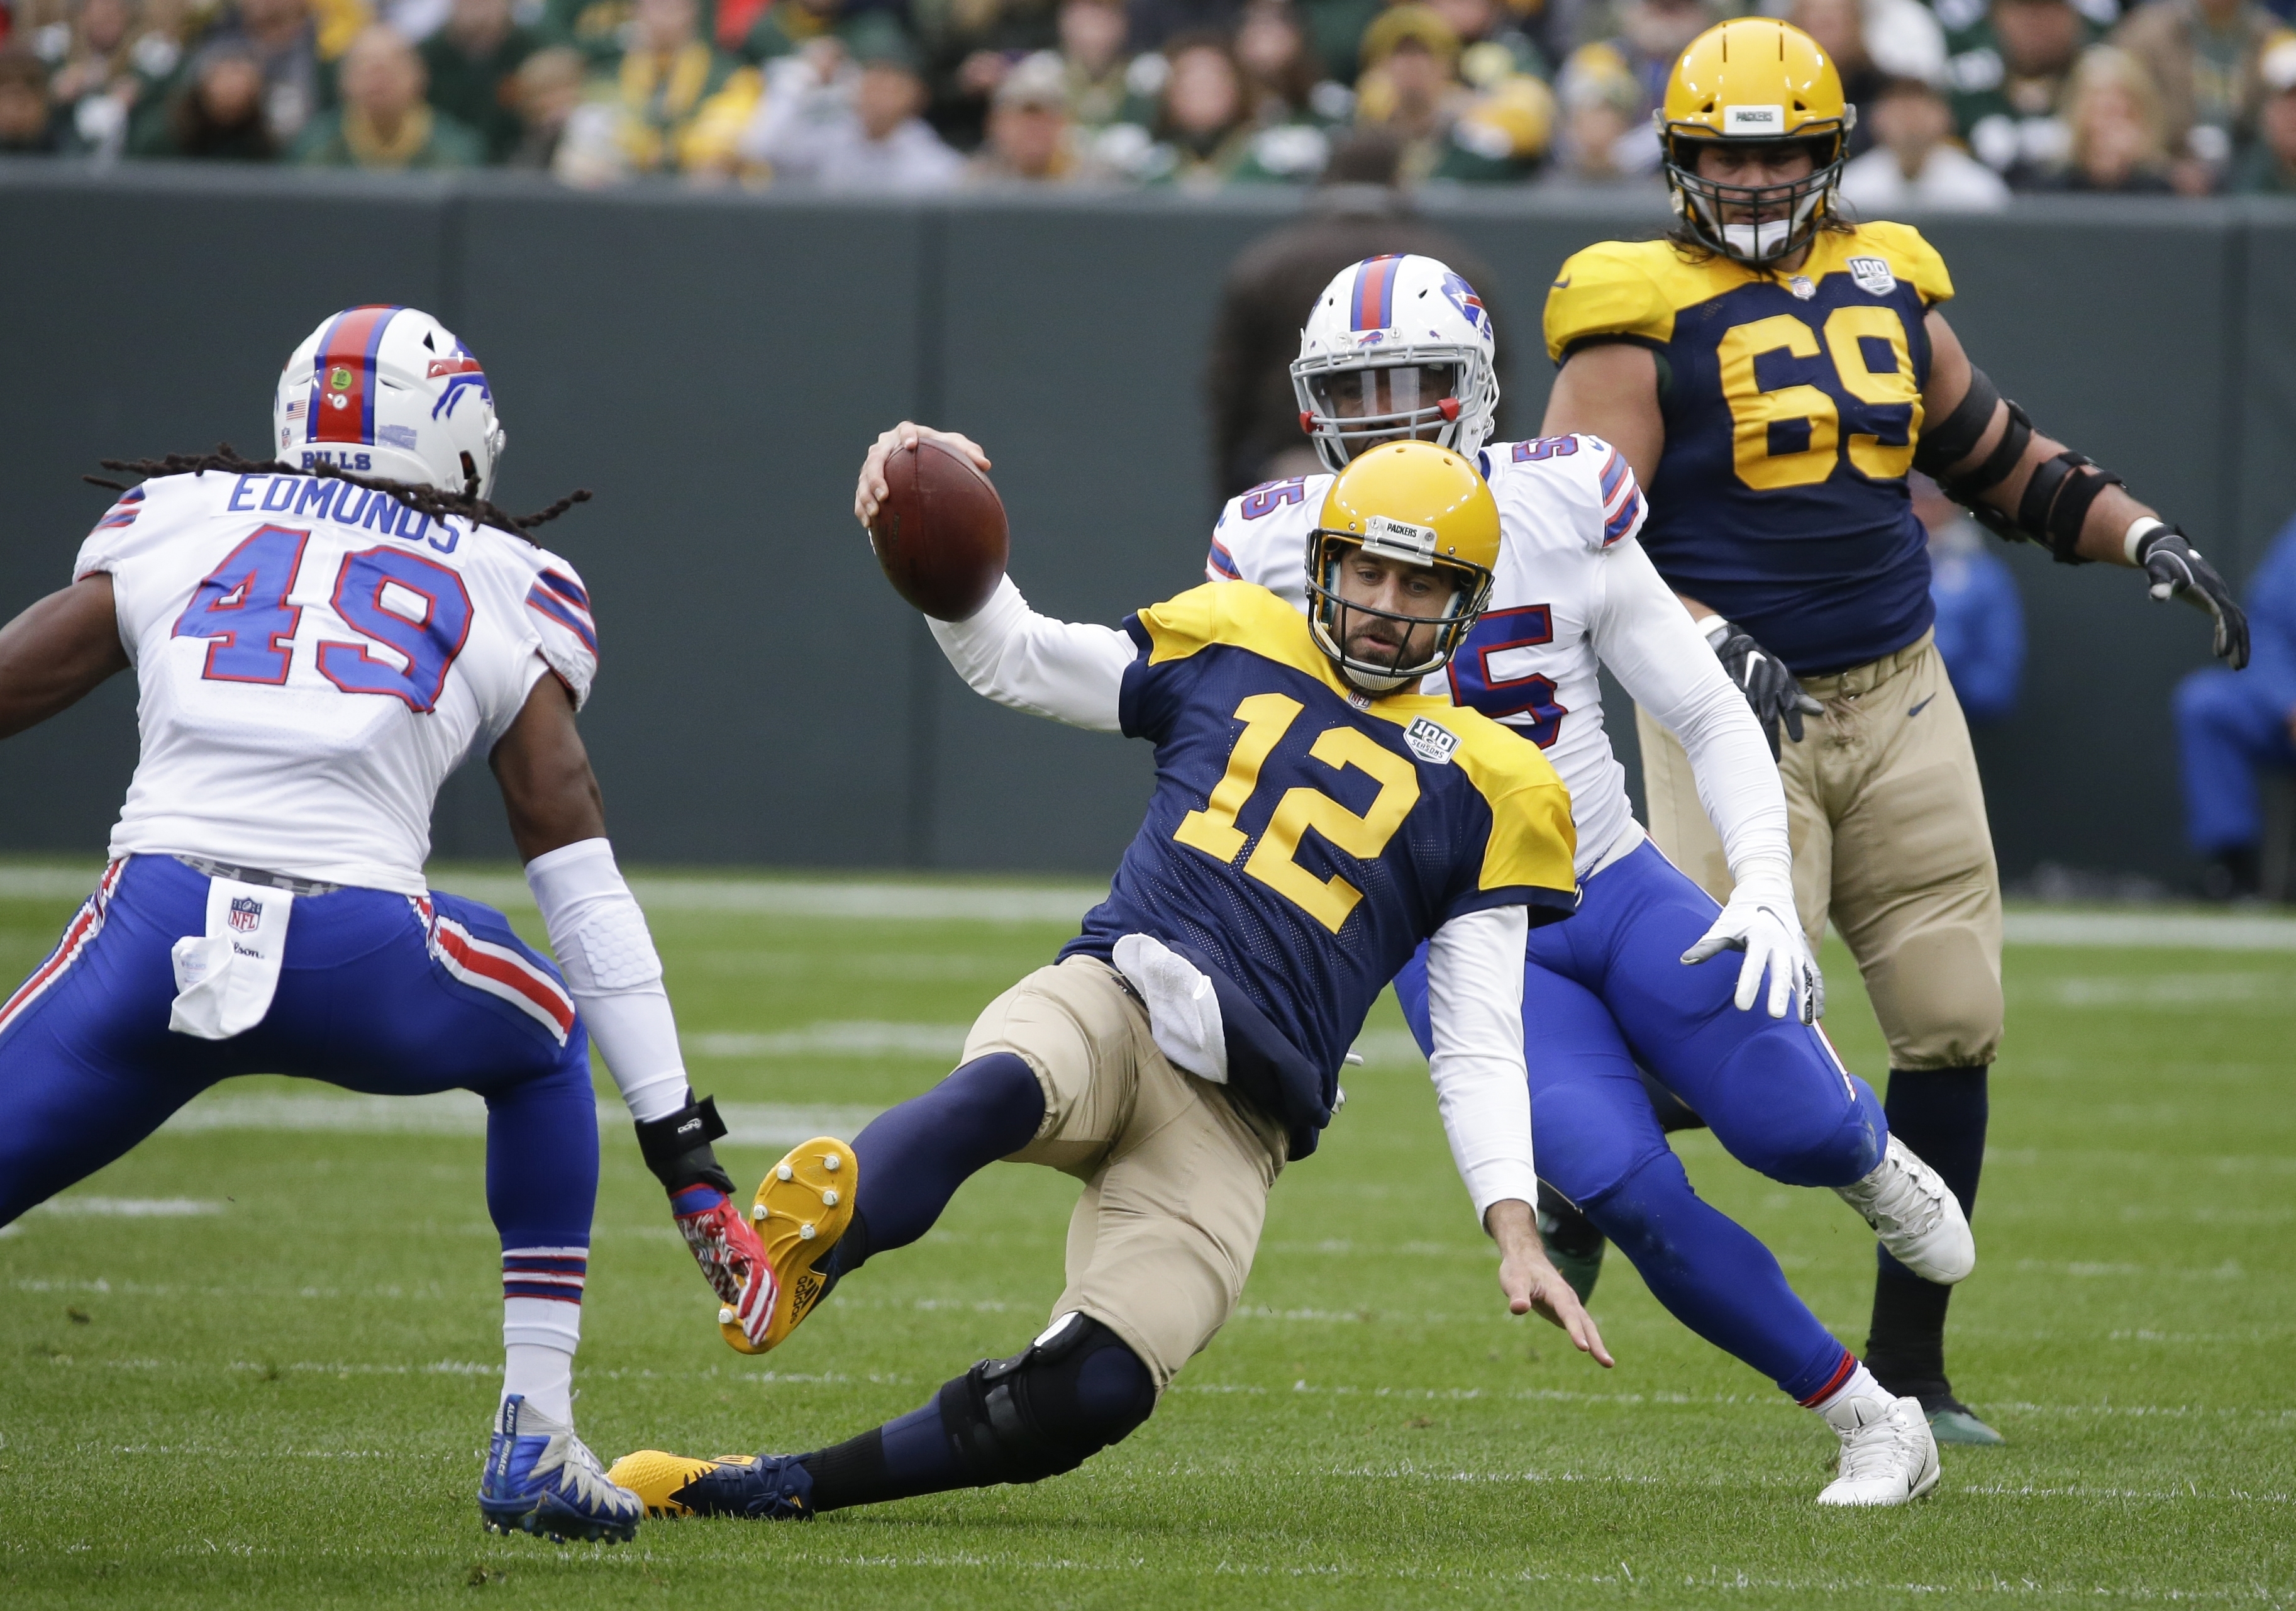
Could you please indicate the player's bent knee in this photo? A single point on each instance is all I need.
(1635, 1210)
(1045, 1410)
(1939, 1001)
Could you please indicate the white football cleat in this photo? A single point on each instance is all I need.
(1888, 1456)
(1915, 1214)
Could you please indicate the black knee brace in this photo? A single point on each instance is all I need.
(1070, 1393)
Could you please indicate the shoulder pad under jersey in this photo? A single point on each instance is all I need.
(558, 610)
(1910, 257)
(1573, 490)
(1262, 535)
(1614, 288)
(140, 519)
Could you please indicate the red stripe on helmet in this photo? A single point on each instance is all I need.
(342, 378)
(1375, 299)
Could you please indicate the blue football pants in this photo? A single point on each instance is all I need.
(367, 1001)
(1606, 990)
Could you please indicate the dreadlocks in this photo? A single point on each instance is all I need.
(423, 500)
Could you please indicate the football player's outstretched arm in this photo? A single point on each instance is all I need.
(1474, 1000)
(558, 820)
(1984, 452)
(1006, 651)
(1071, 672)
(55, 652)
(1661, 660)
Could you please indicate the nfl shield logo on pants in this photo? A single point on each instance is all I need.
(245, 914)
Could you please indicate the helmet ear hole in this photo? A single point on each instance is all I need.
(470, 475)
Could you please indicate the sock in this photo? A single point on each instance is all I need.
(1712, 1275)
(912, 1158)
(542, 1325)
(1941, 1114)
(543, 1375)
(898, 1460)
(1856, 1381)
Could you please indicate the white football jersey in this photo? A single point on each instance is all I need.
(1569, 509)
(313, 661)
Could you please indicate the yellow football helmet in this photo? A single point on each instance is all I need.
(1426, 506)
(1754, 81)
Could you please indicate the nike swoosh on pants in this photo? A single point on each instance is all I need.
(1918, 709)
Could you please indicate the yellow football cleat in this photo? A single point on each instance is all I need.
(799, 1212)
(657, 1478)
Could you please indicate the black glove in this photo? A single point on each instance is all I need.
(1766, 684)
(2177, 570)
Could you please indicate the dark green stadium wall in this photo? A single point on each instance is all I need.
(713, 366)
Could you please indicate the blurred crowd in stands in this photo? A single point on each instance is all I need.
(1960, 102)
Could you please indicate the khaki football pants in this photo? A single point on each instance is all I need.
(1176, 1174)
(1887, 819)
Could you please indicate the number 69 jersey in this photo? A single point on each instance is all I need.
(1569, 509)
(313, 660)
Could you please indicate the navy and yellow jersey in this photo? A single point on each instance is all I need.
(1791, 404)
(1303, 838)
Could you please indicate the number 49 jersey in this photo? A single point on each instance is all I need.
(313, 660)
(1568, 510)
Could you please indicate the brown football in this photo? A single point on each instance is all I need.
(941, 533)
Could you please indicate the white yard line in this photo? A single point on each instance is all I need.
(461, 1114)
(898, 900)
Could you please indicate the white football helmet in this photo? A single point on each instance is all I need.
(389, 392)
(1396, 348)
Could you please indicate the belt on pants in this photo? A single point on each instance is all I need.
(1864, 679)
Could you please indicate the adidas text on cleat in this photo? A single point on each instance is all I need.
(656, 1477)
(1916, 1216)
(1888, 1457)
(541, 1479)
(799, 1212)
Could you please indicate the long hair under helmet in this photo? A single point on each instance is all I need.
(388, 392)
(1754, 81)
(1398, 346)
(1424, 505)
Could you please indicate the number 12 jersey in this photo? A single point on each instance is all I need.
(313, 660)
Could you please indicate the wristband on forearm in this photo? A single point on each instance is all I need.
(678, 1148)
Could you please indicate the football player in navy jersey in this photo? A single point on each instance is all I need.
(1772, 371)
(1640, 978)
(1313, 822)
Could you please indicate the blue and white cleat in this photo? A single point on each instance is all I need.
(540, 1478)
(760, 1487)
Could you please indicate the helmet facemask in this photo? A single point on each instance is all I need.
(1330, 613)
(1350, 403)
(1785, 216)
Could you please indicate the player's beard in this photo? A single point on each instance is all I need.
(1369, 644)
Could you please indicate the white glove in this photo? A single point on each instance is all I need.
(1760, 920)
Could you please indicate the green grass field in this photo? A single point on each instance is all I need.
(251, 1364)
